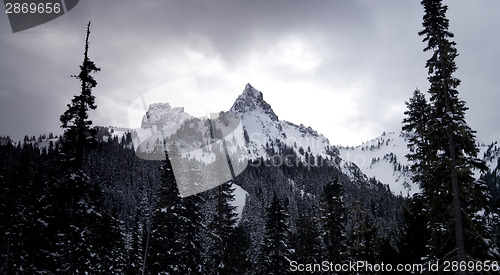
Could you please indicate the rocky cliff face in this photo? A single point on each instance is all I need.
(162, 115)
(252, 100)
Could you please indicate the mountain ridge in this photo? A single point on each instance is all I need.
(266, 137)
(382, 158)
(263, 128)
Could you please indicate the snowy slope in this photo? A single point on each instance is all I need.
(384, 158)
(264, 129)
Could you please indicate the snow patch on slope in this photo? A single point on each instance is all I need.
(383, 158)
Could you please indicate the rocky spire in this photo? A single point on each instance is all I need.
(252, 100)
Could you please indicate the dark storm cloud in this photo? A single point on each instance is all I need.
(362, 54)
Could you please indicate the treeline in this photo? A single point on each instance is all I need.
(58, 222)
(119, 214)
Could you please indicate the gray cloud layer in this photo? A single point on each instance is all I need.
(343, 67)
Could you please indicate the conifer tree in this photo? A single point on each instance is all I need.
(275, 250)
(446, 151)
(135, 255)
(165, 245)
(78, 136)
(361, 245)
(85, 228)
(222, 228)
(306, 242)
(362, 231)
(416, 127)
(238, 246)
(109, 242)
(333, 220)
(412, 244)
(193, 224)
(492, 178)
(175, 245)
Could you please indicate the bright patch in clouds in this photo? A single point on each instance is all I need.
(296, 53)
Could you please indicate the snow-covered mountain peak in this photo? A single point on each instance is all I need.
(162, 115)
(252, 92)
(266, 136)
(252, 100)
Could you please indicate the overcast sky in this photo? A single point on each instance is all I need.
(345, 68)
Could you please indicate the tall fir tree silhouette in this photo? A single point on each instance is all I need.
(445, 152)
(275, 250)
(86, 230)
(78, 135)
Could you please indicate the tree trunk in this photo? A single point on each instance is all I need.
(455, 185)
(457, 207)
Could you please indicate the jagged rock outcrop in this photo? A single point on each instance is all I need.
(251, 100)
(162, 115)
